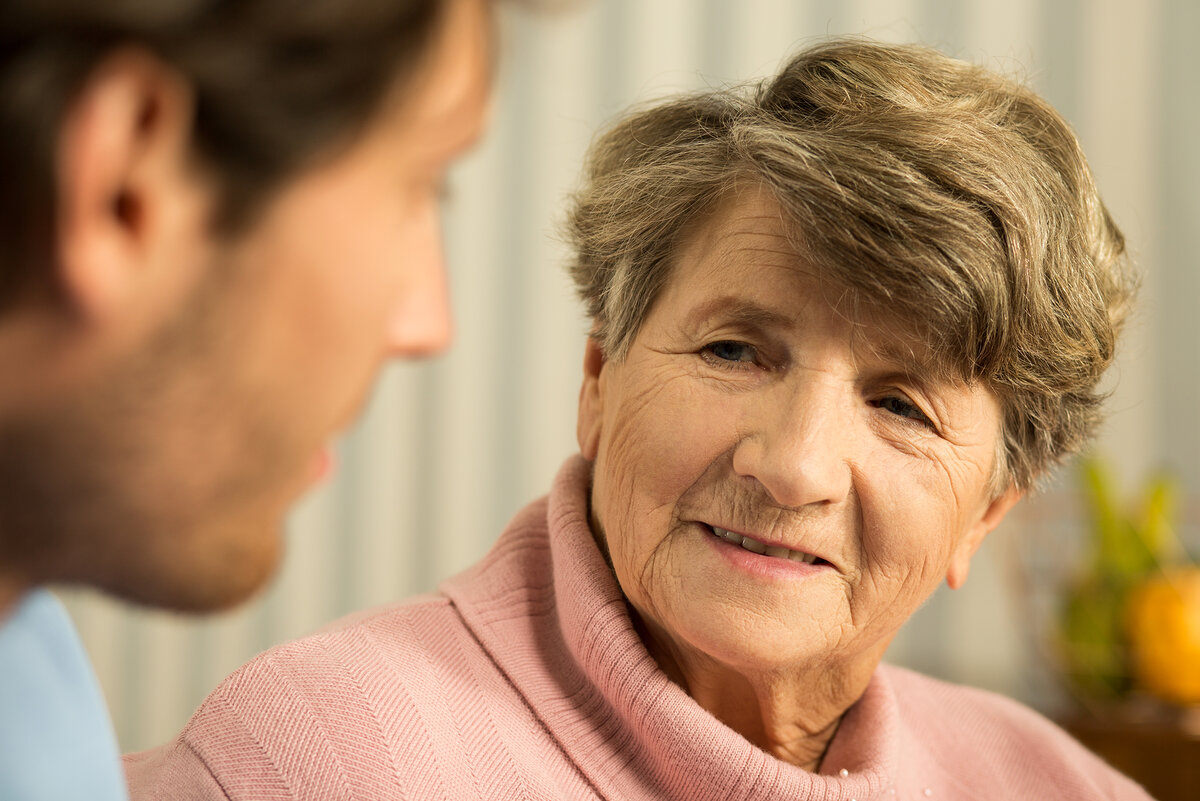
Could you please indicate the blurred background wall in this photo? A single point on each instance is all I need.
(450, 449)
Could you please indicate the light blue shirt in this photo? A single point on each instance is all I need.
(56, 738)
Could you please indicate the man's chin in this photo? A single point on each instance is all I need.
(193, 594)
(209, 581)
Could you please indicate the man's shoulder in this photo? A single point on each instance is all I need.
(53, 712)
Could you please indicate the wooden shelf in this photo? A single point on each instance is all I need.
(1163, 756)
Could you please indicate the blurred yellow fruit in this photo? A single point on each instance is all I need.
(1163, 626)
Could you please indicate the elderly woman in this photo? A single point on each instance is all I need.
(840, 325)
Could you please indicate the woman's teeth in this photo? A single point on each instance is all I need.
(754, 546)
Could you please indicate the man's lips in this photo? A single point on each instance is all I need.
(322, 464)
(762, 548)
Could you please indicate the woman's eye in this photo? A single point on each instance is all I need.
(729, 351)
(903, 408)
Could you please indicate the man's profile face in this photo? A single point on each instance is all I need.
(179, 468)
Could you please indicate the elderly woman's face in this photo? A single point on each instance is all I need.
(749, 406)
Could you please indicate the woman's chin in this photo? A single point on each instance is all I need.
(767, 636)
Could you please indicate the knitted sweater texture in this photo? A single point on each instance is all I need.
(523, 678)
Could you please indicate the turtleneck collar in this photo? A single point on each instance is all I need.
(547, 608)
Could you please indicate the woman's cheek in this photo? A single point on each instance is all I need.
(656, 450)
(657, 428)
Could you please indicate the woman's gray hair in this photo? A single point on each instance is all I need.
(954, 199)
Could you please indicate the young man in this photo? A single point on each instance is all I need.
(220, 219)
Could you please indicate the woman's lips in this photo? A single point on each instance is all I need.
(752, 545)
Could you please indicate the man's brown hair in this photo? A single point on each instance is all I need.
(275, 84)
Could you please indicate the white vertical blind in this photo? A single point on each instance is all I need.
(449, 450)
(1120, 111)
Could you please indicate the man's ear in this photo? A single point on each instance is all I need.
(591, 400)
(960, 560)
(122, 161)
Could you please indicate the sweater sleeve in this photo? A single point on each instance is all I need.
(217, 757)
(397, 704)
(303, 721)
(171, 771)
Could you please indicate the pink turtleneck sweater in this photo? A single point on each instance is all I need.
(524, 679)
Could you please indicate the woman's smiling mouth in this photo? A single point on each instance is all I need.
(761, 548)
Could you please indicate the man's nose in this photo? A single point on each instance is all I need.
(421, 322)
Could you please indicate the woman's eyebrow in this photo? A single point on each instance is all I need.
(740, 311)
(900, 359)
(901, 355)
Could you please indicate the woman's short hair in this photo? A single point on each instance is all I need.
(951, 197)
(276, 83)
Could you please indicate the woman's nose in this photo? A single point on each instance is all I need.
(797, 448)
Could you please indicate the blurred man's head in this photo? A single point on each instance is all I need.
(224, 219)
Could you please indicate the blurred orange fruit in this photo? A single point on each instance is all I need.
(1162, 617)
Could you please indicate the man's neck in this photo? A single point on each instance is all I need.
(11, 590)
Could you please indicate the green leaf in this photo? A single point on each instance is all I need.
(1157, 520)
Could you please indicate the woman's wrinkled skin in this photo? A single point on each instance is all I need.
(752, 400)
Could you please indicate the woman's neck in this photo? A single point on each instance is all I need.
(791, 713)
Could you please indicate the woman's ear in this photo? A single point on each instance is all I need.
(122, 162)
(591, 399)
(960, 559)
